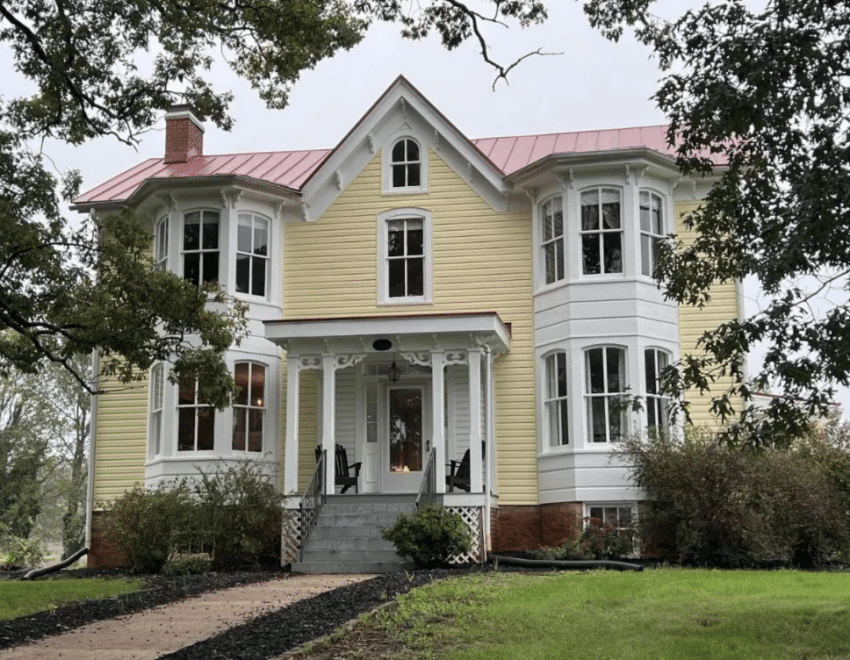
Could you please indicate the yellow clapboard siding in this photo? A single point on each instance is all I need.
(694, 322)
(473, 247)
(120, 439)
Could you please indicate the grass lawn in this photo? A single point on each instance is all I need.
(19, 598)
(665, 613)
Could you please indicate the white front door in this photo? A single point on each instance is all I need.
(405, 442)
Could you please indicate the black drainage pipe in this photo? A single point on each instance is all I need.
(566, 564)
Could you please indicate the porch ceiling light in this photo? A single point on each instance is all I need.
(393, 373)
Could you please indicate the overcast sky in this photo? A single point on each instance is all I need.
(590, 83)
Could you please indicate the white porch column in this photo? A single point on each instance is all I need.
(290, 466)
(438, 416)
(329, 420)
(475, 481)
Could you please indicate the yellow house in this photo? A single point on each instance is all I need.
(460, 316)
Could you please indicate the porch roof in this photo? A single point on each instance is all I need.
(404, 332)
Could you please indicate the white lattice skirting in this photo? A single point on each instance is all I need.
(291, 542)
(472, 517)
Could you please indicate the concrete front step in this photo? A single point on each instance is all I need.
(347, 536)
(324, 567)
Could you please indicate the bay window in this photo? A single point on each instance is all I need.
(605, 376)
(601, 231)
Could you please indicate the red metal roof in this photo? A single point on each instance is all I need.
(283, 168)
(292, 168)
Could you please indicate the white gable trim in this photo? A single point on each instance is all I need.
(402, 106)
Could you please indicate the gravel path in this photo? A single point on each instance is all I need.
(265, 636)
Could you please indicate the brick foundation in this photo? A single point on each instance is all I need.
(102, 554)
(519, 528)
(559, 523)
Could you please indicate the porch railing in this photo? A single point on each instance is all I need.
(428, 488)
(312, 500)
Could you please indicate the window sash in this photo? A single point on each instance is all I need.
(601, 231)
(249, 407)
(652, 230)
(657, 405)
(406, 164)
(201, 247)
(405, 258)
(195, 420)
(552, 214)
(605, 371)
(556, 402)
(161, 247)
(252, 254)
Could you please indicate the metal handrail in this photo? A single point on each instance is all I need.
(312, 500)
(428, 488)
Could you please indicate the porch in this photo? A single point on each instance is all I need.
(408, 398)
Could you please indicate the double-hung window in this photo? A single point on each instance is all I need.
(406, 164)
(555, 404)
(552, 216)
(406, 258)
(161, 244)
(651, 230)
(249, 407)
(195, 419)
(156, 392)
(601, 231)
(605, 384)
(657, 406)
(252, 254)
(201, 247)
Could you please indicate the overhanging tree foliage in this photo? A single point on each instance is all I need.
(65, 291)
(769, 89)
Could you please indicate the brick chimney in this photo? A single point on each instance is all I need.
(184, 135)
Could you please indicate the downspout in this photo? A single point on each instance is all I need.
(95, 362)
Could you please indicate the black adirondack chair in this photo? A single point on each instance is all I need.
(342, 470)
(458, 476)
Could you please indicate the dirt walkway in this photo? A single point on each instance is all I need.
(165, 629)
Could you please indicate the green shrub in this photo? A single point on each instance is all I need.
(187, 566)
(240, 513)
(430, 536)
(146, 525)
(20, 551)
(727, 507)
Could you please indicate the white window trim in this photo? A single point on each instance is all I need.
(548, 447)
(655, 350)
(265, 408)
(624, 231)
(665, 226)
(562, 240)
(268, 258)
(156, 415)
(387, 169)
(384, 218)
(196, 406)
(161, 242)
(587, 395)
(221, 249)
